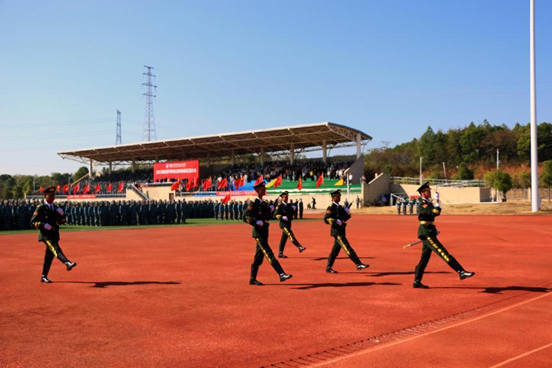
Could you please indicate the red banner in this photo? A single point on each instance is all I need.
(176, 170)
(81, 196)
(237, 193)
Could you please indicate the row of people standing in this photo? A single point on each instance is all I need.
(403, 203)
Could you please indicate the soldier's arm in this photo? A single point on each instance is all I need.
(250, 214)
(330, 217)
(37, 220)
(280, 212)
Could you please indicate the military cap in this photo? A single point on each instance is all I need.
(284, 193)
(336, 192)
(424, 186)
(261, 184)
(49, 190)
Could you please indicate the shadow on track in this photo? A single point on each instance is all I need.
(336, 285)
(499, 290)
(103, 284)
(326, 258)
(382, 274)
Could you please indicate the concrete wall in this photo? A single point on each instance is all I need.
(448, 195)
(373, 190)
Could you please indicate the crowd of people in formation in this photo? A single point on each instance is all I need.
(16, 215)
(403, 203)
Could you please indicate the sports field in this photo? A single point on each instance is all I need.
(179, 297)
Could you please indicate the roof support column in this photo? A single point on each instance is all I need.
(292, 153)
(133, 166)
(324, 151)
(110, 167)
(233, 159)
(358, 145)
(91, 169)
(262, 155)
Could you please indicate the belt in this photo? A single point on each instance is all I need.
(426, 222)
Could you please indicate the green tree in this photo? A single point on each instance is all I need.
(428, 146)
(80, 173)
(546, 176)
(499, 180)
(464, 173)
(522, 180)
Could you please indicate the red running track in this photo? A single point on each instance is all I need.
(179, 296)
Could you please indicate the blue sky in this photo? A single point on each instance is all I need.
(388, 68)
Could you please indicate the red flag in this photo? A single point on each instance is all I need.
(86, 189)
(189, 185)
(223, 183)
(58, 188)
(300, 184)
(76, 188)
(278, 182)
(226, 199)
(259, 180)
(41, 189)
(238, 183)
(176, 185)
(109, 188)
(121, 185)
(66, 188)
(207, 184)
(98, 188)
(320, 180)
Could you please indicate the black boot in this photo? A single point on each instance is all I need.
(419, 285)
(362, 266)
(45, 280)
(281, 255)
(330, 270)
(70, 265)
(284, 277)
(301, 249)
(465, 274)
(253, 278)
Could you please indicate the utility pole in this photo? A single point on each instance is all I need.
(118, 138)
(149, 118)
(445, 170)
(497, 159)
(535, 197)
(421, 175)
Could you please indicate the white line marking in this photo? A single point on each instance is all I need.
(370, 350)
(521, 356)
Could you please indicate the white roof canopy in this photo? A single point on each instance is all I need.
(301, 138)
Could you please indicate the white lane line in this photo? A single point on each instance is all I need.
(370, 350)
(521, 356)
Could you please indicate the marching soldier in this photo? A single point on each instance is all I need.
(258, 214)
(47, 218)
(285, 213)
(411, 206)
(427, 233)
(337, 217)
(399, 203)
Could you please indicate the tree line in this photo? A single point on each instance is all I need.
(467, 153)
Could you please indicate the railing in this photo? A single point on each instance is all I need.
(439, 182)
(138, 191)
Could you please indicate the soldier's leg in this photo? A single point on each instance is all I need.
(48, 258)
(438, 248)
(420, 268)
(283, 241)
(55, 249)
(348, 249)
(257, 261)
(292, 237)
(265, 248)
(333, 254)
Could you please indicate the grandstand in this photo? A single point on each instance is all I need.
(222, 159)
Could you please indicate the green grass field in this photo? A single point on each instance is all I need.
(189, 222)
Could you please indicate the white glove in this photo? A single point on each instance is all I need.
(437, 196)
(284, 218)
(60, 211)
(48, 226)
(339, 222)
(272, 208)
(294, 208)
(260, 223)
(348, 210)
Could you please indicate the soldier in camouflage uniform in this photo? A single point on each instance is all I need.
(427, 233)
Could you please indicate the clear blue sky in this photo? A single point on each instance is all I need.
(388, 68)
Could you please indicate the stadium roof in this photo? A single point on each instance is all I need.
(303, 138)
